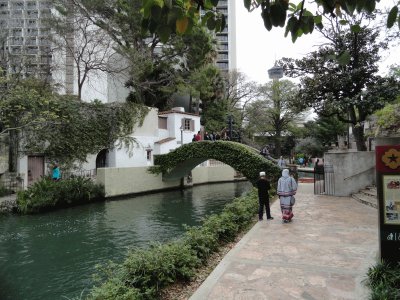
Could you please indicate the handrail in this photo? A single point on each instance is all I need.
(373, 167)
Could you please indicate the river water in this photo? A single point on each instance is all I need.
(53, 255)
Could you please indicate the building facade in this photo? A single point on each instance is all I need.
(25, 47)
(226, 59)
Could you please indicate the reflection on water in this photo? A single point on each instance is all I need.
(53, 255)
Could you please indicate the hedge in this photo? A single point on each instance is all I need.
(146, 272)
(45, 194)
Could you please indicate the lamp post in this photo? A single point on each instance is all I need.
(181, 128)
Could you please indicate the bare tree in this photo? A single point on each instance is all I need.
(86, 47)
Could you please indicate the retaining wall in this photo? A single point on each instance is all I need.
(135, 180)
(352, 170)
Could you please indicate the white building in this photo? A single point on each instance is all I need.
(160, 133)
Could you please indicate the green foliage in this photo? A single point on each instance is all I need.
(4, 191)
(310, 146)
(45, 194)
(145, 272)
(273, 113)
(325, 130)
(115, 289)
(177, 17)
(161, 17)
(350, 92)
(160, 63)
(61, 127)
(384, 281)
(238, 156)
(388, 118)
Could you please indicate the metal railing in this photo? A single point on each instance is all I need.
(83, 173)
(324, 180)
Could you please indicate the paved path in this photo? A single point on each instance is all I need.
(323, 254)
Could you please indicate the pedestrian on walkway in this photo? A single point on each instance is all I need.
(286, 190)
(281, 163)
(263, 186)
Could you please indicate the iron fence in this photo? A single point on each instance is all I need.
(324, 180)
(83, 173)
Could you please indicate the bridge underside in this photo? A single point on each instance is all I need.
(183, 169)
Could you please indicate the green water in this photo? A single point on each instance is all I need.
(52, 256)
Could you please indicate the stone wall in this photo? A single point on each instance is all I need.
(352, 170)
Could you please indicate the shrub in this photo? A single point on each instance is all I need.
(4, 191)
(47, 195)
(384, 281)
(145, 272)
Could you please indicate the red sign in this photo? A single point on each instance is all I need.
(388, 159)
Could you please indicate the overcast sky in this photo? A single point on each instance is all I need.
(258, 48)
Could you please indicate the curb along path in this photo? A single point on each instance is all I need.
(323, 254)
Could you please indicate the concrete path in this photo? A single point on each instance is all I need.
(323, 254)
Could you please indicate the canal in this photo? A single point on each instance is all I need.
(53, 256)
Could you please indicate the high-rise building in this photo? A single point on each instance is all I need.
(226, 59)
(24, 37)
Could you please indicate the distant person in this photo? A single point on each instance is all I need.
(263, 186)
(194, 138)
(264, 151)
(286, 190)
(56, 174)
(301, 161)
(198, 136)
(281, 163)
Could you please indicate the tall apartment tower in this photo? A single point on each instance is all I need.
(226, 59)
(25, 47)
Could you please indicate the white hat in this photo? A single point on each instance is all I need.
(262, 174)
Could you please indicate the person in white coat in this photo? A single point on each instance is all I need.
(286, 190)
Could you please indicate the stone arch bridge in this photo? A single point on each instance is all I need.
(181, 161)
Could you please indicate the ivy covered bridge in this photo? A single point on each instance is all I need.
(243, 159)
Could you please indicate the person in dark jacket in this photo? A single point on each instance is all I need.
(263, 186)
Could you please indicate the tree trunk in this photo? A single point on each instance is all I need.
(13, 151)
(358, 132)
(278, 146)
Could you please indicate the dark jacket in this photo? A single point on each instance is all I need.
(263, 188)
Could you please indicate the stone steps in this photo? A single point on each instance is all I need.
(367, 196)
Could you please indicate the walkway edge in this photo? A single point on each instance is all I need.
(204, 290)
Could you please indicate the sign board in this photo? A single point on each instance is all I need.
(388, 187)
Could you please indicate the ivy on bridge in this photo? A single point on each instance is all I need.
(242, 158)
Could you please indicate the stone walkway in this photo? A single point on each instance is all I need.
(323, 254)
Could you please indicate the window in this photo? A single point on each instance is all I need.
(148, 154)
(162, 123)
(188, 124)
